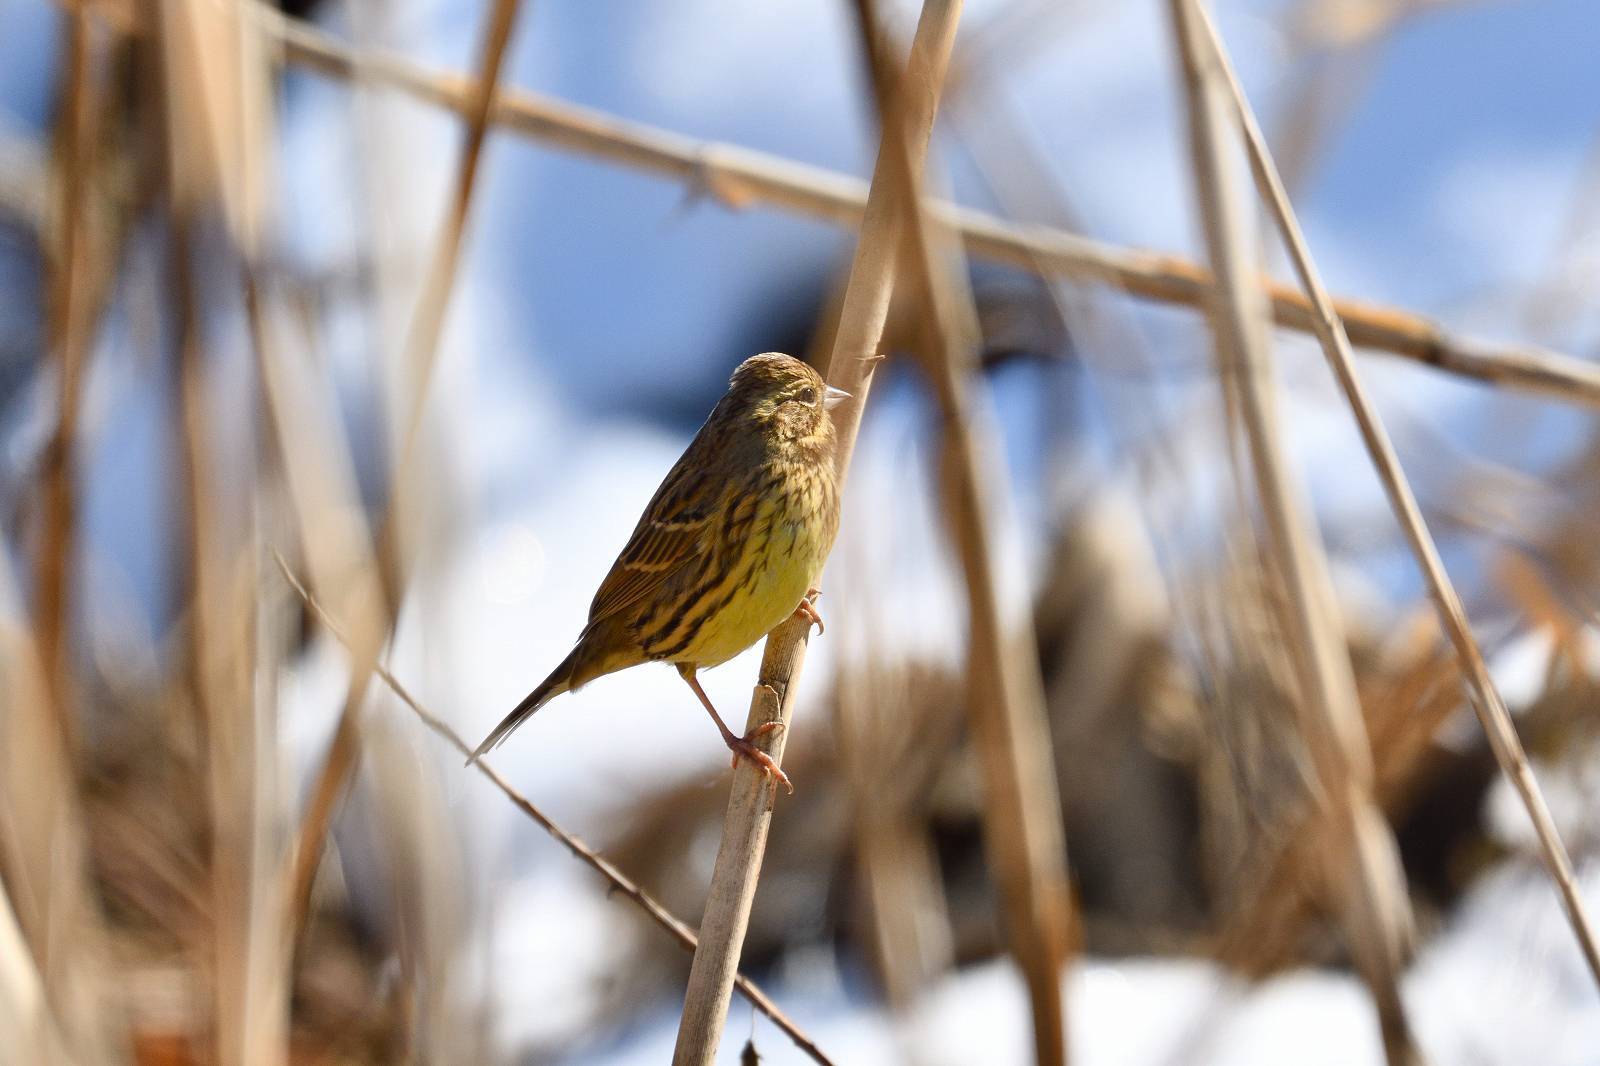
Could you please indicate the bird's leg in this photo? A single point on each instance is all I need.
(808, 610)
(740, 746)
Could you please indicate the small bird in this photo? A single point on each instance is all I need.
(731, 545)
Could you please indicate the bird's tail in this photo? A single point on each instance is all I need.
(559, 681)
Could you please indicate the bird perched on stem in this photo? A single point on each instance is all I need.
(731, 545)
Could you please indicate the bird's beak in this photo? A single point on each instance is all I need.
(832, 397)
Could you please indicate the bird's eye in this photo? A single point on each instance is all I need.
(808, 395)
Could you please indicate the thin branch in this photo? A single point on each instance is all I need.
(855, 353)
(1485, 696)
(620, 883)
(1360, 861)
(739, 177)
(417, 367)
(1022, 799)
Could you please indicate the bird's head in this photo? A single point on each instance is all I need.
(786, 397)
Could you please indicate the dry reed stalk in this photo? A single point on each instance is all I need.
(211, 85)
(229, 73)
(206, 655)
(416, 369)
(1360, 863)
(620, 883)
(740, 176)
(1331, 332)
(862, 318)
(421, 348)
(337, 546)
(1006, 707)
(24, 1015)
(738, 863)
(44, 850)
(69, 322)
(250, 979)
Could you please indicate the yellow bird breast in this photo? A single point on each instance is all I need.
(782, 560)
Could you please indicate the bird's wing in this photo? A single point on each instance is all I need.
(675, 529)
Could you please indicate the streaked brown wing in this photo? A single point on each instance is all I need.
(674, 530)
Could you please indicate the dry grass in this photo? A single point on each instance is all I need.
(1005, 690)
(1485, 695)
(394, 542)
(1357, 862)
(168, 895)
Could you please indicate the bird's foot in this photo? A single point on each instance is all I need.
(808, 610)
(744, 748)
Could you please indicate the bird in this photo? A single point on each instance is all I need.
(731, 545)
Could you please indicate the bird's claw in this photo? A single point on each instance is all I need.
(808, 610)
(744, 748)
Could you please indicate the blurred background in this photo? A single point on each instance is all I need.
(235, 326)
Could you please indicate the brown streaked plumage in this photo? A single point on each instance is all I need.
(731, 545)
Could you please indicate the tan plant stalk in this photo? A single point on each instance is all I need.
(1360, 864)
(76, 122)
(44, 853)
(1006, 704)
(186, 42)
(417, 366)
(861, 321)
(248, 1025)
(740, 176)
(1484, 695)
(620, 883)
(313, 459)
(307, 451)
(427, 323)
(24, 1014)
(337, 547)
(214, 86)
